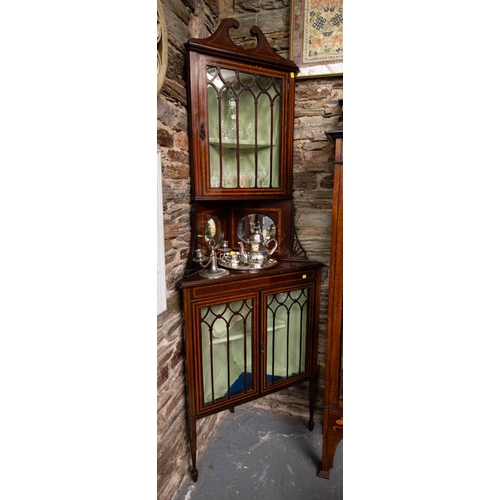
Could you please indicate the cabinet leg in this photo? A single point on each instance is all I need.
(231, 409)
(194, 475)
(333, 430)
(192, 442)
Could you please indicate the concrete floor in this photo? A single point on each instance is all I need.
(261, 455)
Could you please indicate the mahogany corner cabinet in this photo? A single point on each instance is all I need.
(250, 294)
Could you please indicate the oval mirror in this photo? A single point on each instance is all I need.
(212, 228)
(246, 226)
(208, 227)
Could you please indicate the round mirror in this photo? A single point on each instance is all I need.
(246, 226)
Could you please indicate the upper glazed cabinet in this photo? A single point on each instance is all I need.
(241, 118)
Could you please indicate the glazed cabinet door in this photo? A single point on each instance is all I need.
(239, 127)
(288, 334)
(225, 362)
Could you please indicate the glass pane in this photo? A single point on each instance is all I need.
(275, 162)
(226, 343)
(286, 335)
(247, 138)
(213, 126)
(269, 135)
(244, 120)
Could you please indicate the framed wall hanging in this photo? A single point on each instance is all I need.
(316, 37)
(161, 46)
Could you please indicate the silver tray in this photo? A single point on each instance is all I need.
(239, 266)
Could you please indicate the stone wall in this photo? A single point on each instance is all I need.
(316, 110)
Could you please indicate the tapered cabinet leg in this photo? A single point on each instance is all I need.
(194, 474)
(192, 442)
(333, 430)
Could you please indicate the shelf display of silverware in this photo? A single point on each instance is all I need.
(257, 235)
(234, 260)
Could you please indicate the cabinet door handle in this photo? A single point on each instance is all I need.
(262, 346)
(202, 131)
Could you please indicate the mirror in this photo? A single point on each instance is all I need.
(208, 227)
(210, 237)
(212, 228)
(246, 226)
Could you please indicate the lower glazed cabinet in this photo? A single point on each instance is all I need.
(248, 335)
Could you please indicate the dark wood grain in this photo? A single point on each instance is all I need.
(333, 405)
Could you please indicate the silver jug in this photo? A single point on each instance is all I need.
(258, 252)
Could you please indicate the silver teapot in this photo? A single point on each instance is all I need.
(258, 252)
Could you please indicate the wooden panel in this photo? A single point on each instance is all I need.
(333, 403)
(260, 282)
(335, 288)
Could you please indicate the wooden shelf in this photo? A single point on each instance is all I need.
(243, 144)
